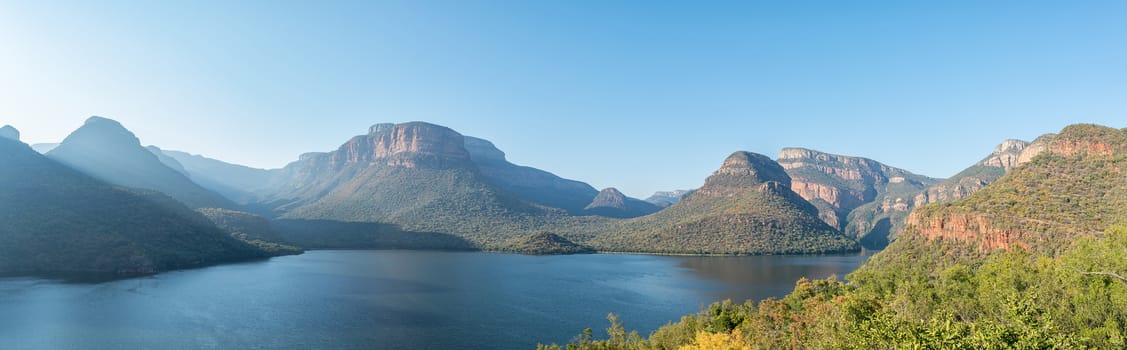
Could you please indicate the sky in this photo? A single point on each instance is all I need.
(639, 95)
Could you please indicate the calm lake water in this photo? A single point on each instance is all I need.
(389, 300)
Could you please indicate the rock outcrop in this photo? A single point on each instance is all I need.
(858, 196)
(1070, 184)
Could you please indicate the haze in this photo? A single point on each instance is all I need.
(639, 95)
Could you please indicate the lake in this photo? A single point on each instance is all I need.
(389, 300)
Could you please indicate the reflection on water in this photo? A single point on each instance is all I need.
(388, 300)
(761, 277)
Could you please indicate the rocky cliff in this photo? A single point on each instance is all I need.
(1072, 185)
(666, 198)
(853, 194)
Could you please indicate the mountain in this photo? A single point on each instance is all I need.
(104, 149)
(859, 196)
(56, 220)
(9, 132)
(43, 148)
(612, 203)
(745, 207)
(239, 183)
(1005, 156)
(528, 183)
(417, 176)
(666, 198)
(1067, 185)
(167, 161)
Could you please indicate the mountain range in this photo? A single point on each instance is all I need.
(423, 186)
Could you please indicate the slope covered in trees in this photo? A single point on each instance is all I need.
(55, 220)
(1038, 265)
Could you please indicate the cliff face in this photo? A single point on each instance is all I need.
(1068, 185)
(407, 145)
(841, 185)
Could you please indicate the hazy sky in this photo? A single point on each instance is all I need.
(640, 95)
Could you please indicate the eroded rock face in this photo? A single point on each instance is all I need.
(407, 145)
(609, 197)
(839, 185)
(10, 133)
(976, 229)
(1006, 155)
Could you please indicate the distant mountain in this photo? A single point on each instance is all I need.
(858, 196)
(1064, 186)
(9, 132)
(528, 183)
(417, 176)
(56, 220)
(239, 183)
(104, 149)
(167, 161)
(1005, 156)
(43, 148)
(745, 207)
(666, 198)
(612, 203)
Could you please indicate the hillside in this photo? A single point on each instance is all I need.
(530, 184)
(745, 207)
(252, 229)
(238, 183)
(104, 149)
(612, 203)
(1031, 261)
(57, 221)
(416, 176)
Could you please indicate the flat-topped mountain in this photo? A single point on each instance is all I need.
(531, 184)
(1066, 185)
(666, 198)
(612, 203)
(56, 220)
(745, 207)
(417, 176)
(859, 196)
(104, 149)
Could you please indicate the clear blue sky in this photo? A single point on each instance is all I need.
(641, 95)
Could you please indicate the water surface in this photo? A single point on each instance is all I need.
(388, 300)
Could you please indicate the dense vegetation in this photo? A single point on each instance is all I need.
(328, 234)
(1063, 284)
(743, 208)
(55, 220)
(544, 243)
(252, 229)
